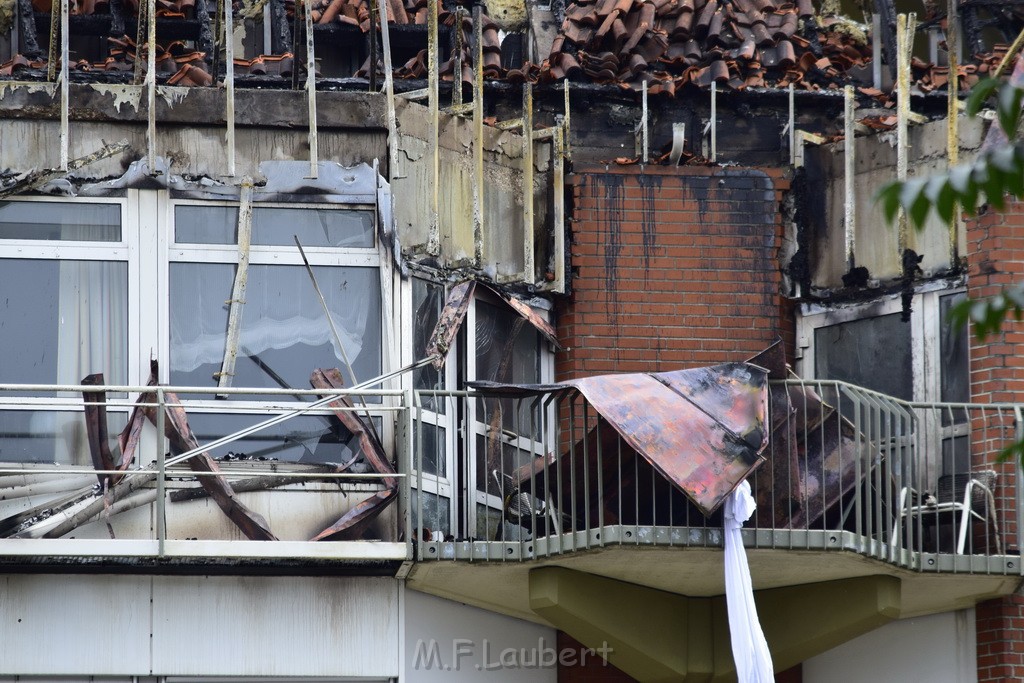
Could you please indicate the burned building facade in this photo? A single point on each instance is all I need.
(459, 321)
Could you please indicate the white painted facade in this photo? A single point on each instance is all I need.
(940, 648)
(81, 626)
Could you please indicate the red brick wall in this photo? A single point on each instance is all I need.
(996, 257)
(672, 268)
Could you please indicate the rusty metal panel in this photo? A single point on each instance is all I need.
(352, 524)
(703, 429)
(450, 321)
(182, 440)
(705, 454)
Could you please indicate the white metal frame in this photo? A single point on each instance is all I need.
(924, 329)
(925, 354)
(147, 246)
(479, 428)
(126, 251)
(181, 252)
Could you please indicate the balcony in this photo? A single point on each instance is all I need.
(279, 483)
(853, 484)
(857, 492)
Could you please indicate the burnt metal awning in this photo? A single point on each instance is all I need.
(703, 429)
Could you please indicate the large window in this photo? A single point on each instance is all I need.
(923, 359)
(101, 286)
(64, 314)
(284, 333)
(468, 450)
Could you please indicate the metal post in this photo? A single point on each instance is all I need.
(876, 50)
(64, 86)
(792, 125)
(151, 87)
(372, 74)
(161, 480)
(643, 124)
(1018, 503)
(953, 119)
(904, 29)
(558, 219)
(268, 40)
(434, 233)
(849, 181)
(314, 156)
(457, 71)
(714, 121)
(405, 467)
(568, 137)
(389, 91)
(478, 136)
(528, 266)
(229, 82)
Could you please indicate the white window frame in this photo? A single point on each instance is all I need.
(147, 246)
(189, 252)
(466, 427)
(925, 337)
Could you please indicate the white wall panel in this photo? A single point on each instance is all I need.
(71, 624)
(474, 640)
(275, 626)
(938, 649)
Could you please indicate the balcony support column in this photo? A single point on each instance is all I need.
(658, 636)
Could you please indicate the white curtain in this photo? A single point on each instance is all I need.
(281, 310)
(749, 649)
(92, 323)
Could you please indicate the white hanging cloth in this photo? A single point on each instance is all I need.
(749, 649)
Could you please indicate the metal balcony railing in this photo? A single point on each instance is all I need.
(918, 485)
(467, 476)
(83, 462)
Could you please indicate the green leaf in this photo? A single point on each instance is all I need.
(945, 203)
(1004, 159)
(995, 189)
(913, 199)
(979, 94)
(960, 178)
(918, 211)
(1014, 451)
(889, 196)
(1008, 109)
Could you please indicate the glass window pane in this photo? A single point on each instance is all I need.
(205, 224)
(275, 226)
(435, 514)
(434, 449)
(284, 335)
(50, 436)
(497, 465)
(314, 227)
(508, 349)
(80, 221)
(874, 353)
(63, 320)
(954, 362)
(427, 301)
(305, 438)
